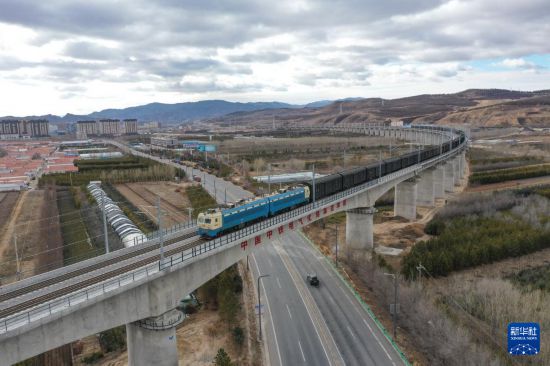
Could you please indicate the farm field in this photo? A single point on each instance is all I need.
(173, 200)
(34, 221)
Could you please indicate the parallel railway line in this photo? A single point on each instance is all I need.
(90, 281)
(65, 276)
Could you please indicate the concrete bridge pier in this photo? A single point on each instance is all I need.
(152, 341)
(404, 204)
(463, 164)
(425, 189)
(456, 169)
(439, 181)
(360, 228)
(449, 177)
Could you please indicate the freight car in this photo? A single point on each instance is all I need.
(217, 221)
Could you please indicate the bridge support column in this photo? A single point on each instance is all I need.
(449, 177)
(404, 204)
(439, 181)
(463, 164)
(152, 341)
(359, 228)
(456, 169)
(425, 190)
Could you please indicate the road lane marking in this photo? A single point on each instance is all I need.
(279, 283)
(378, 340)
(270, 316)
(317, 321)
(302, 351)
(289, 313)
(351, 331)
(353, 300)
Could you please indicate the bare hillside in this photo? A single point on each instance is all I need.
(474, 107)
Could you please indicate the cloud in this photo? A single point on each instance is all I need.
(173, 49)
(90, 51)
(267, 57)
(518, 63)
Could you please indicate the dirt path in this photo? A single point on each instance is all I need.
(6, 239)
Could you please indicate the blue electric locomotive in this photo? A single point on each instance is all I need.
(216, 221)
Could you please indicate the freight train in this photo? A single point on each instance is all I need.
(218, 221)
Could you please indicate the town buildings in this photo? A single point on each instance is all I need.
(16, 129)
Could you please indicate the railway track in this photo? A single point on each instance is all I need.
(51, 281)
(90, 281)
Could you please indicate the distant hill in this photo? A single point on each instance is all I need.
(171, 113)
(474, 107)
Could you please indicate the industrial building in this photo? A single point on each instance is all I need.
(16, 129)
(165, 141)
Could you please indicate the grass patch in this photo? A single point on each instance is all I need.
(503, 175)
(76, 243)
(533, 278)
(200, 199)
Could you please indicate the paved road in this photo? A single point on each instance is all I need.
(359, 340)
(304, 325)
(223, 190)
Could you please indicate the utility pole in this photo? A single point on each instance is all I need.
(260, 305)
(190, 212)
(161, 239)
(225, 196)
(394, 313)
(105, 222)
(419, 268)
(269, 178)
(380, 165)
(215, 192)
(18, 265)
(336, 254)
(313, 178)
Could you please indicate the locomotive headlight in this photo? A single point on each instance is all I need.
(200, 218)
(306, 192)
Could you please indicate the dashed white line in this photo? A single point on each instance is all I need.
(351, 331)
(302, 351)
(289, 313)
(378, 340)
(270, 316)
(279, 283)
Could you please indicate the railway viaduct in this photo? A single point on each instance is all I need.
(141, 291)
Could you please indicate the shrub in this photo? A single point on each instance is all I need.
(435, 227)
(238, 336)
(92, 358)
(113, 339)
(222, 358)
(496, 176)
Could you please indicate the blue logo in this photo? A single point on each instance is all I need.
(523, 339)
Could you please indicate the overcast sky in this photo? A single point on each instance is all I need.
(76, 56)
